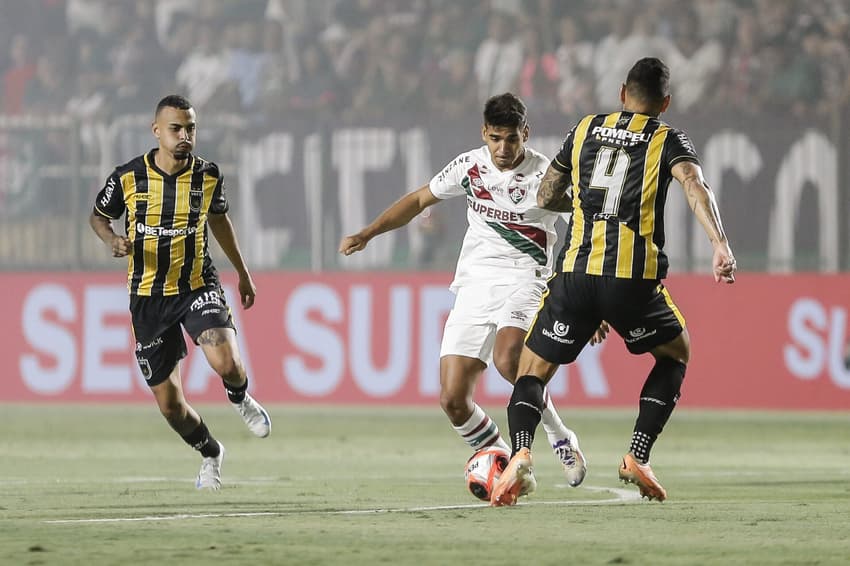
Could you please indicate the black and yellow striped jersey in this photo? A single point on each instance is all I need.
(620, 168)
(166, 222)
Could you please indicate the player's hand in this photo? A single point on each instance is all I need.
(600, 333)
(121, 246)
(353, 243)
(723, 264)
(247, 291)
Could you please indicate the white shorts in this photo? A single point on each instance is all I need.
(482, 310)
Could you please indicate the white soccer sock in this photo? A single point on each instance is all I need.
(555, 428)
(480, 431)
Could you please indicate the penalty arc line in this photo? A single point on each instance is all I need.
(620, 496)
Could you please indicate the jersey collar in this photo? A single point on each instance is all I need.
(152, 163)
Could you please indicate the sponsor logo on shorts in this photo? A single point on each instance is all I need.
(155, 342)
(558, 333)
(145, 366)
(519, 315)
(636, 334)
(207, 299)
(210, 311)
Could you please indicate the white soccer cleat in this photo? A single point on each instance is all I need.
(210, 475)
(257, 419)
(571, 458)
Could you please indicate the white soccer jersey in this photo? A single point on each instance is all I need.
(509, 237)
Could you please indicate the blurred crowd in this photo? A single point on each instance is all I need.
(350, 60)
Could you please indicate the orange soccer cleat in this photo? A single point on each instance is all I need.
(632, 471)
(517, 480)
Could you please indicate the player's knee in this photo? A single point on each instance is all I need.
(678, 349)
(229, 369)
(174, 411)
(682, 348)
(506, 364)
(457, 408)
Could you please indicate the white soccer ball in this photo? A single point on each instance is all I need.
(483, 469)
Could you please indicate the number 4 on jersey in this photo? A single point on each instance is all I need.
(609, 175)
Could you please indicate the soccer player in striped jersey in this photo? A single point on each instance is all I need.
(501, 273)
(169, 198)
(613, 171)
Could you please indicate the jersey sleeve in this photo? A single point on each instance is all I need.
(679, 147)
(563, 161)
(448, 183)
(219, 204)
(110, 200)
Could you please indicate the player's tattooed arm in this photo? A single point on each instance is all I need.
(702, 202)
(553, 193)
(700, 199)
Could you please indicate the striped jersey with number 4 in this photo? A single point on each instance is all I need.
(620, 168)
(509, 236)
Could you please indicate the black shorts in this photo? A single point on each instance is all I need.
(640, 310)
(156, 327)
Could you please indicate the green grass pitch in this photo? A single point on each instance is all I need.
(93, 484)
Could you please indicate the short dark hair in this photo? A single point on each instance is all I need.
(173, 101)
(649, 81)
(505, 110)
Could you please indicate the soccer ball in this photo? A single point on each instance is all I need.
(483, 470)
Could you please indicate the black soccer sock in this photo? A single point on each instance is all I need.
(235, 394)
(201, 440)
(657, 401)
(525, 409)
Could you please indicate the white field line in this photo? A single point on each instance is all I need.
(13, 481)
(619, 496)
(16, 481)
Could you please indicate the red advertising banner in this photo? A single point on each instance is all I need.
(372, 338)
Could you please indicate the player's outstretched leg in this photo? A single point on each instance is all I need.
(658, 398)
(564, 443)
(524, 413)
(209, 476)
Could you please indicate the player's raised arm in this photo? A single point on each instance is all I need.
(702, 202)
(395, 216)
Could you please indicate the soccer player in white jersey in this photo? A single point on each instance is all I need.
(501, 273)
